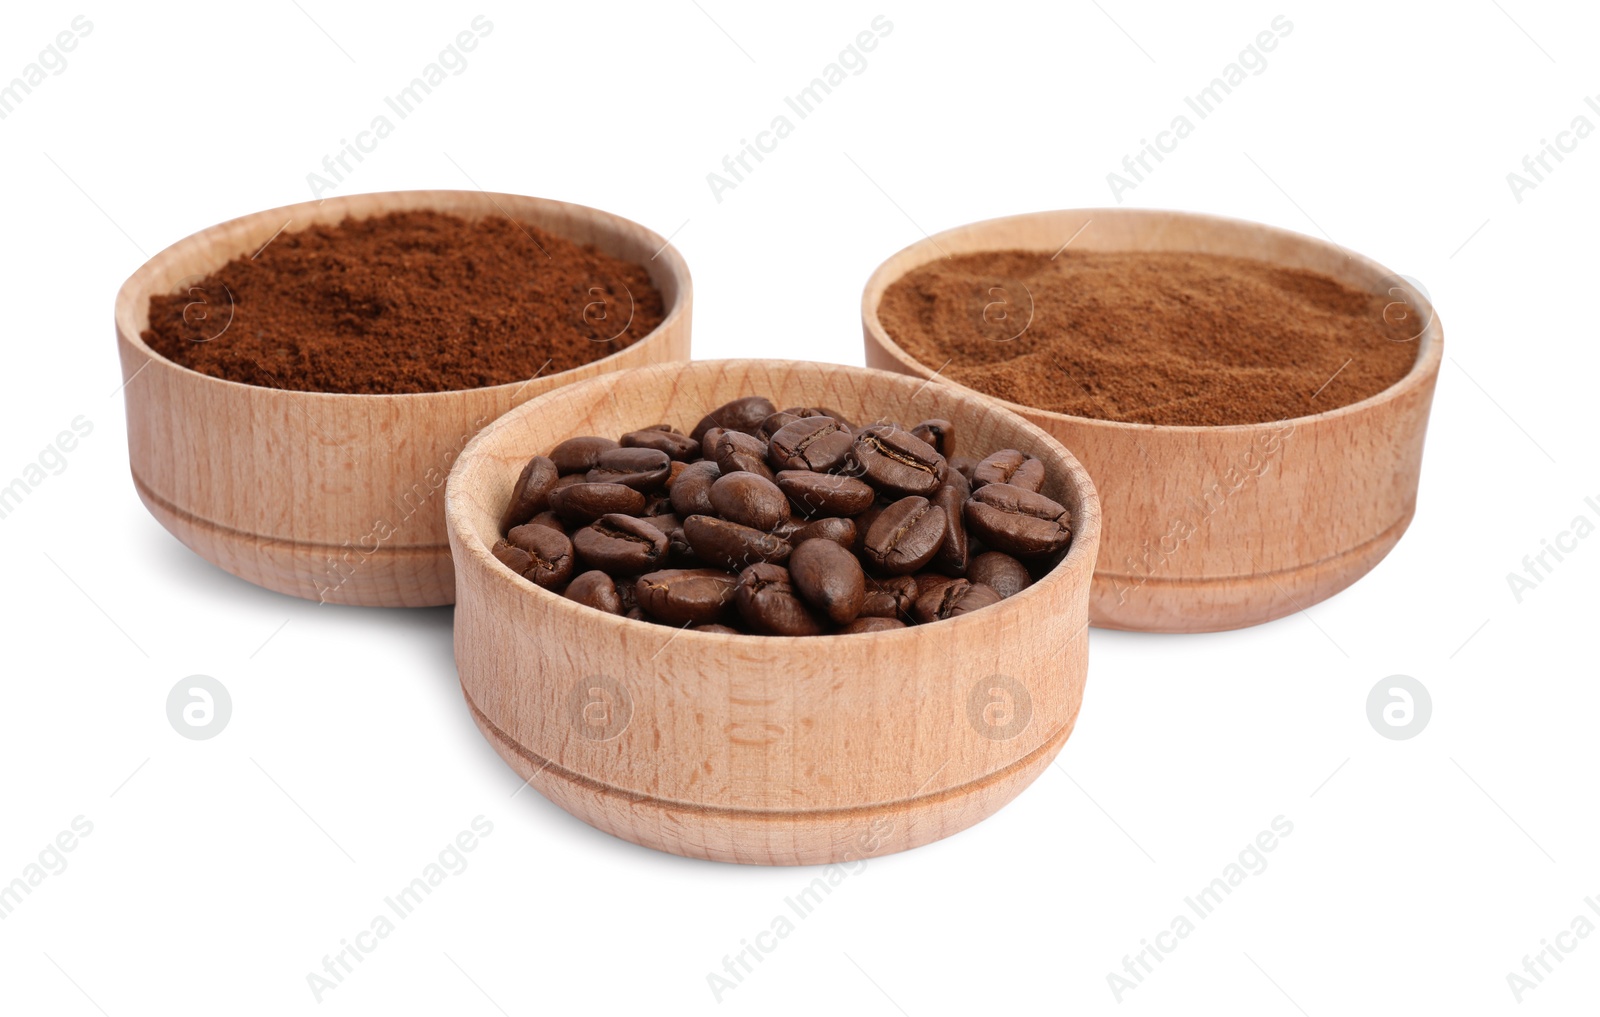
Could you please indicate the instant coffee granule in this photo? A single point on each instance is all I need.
(1151, 337)
(406, 302)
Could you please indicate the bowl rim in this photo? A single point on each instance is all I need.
(1079, 559)
(672, 260)
(1422, 370)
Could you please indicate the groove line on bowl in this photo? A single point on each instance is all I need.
(255, 538)
(1049, 746)
(1397, 528)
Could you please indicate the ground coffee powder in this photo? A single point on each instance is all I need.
(406, 302)
(1157, 338)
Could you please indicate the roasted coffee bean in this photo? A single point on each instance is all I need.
(825, 494)
(624, 590)
(639, 468)
(928, 581)
(734, 451)
(597, 590)
(691, 492)
(905, 536)
(732, 546)
(682, 596)
(740, 415)
(770, 426)
(511, 556)
(621, 545)
(630, 600)
(1017, 521)
(960, 481)
(736, 547)
(678, 447)
(810, 443)
(796, 412)
(678, 550)
(581, 504)
(889, 598)
(828, 578)
(748, 499)
(549, 551)
(958, 598)
(1004, 573)
(872, 623)
(550, 519)
(897, 462)
(839, 529)
(568, 481)
(941, 434)
(864, 523)
(530, 495)
(952, 556)
(578, 455)
(822, 411)
(666, 522)
(767, 602)
(1008, 466)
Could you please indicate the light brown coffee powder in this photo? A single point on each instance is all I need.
(1158, 338)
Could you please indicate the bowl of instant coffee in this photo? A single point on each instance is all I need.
(769, 611)
(299, 381)
(1250, 402)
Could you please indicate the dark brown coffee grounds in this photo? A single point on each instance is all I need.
(406, 302)
(1157, 338)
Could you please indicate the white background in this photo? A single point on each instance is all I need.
(219, 873)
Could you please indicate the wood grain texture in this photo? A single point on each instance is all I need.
(330, 496)
(1210, 528)
(765, 749)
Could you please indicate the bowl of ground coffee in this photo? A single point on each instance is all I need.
(1250, 402)
(299, 381)
(776, 690)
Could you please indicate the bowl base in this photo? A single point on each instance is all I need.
(388, 577)
(1234, 602)
(756, 837)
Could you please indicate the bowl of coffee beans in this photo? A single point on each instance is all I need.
(298, 381)
(1250, 402)
(772, 611)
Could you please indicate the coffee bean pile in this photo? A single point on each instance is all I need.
(782, 522)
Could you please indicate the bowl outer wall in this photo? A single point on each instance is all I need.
(773, 724)
(1211, 528)
(327, 495)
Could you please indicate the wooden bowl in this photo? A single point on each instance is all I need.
(765, 749)
(329, 496)
(1210, 528)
